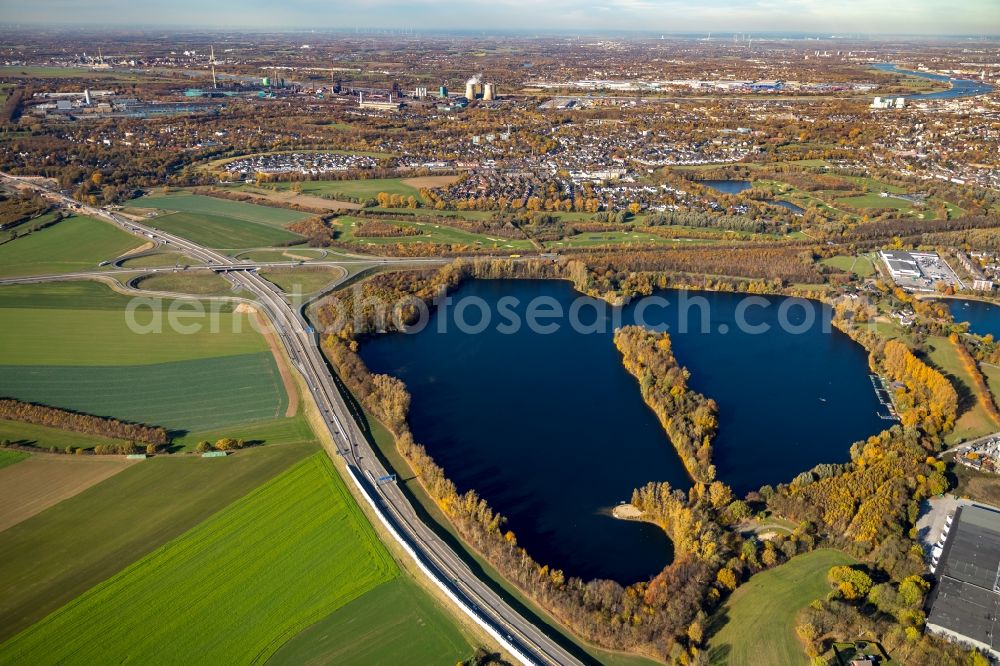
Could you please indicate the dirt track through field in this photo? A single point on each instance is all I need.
(290, 197)
(45, 479)
(431, 182)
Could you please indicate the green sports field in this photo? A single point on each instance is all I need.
(757, 624)
(231, 590)
(861, 265)
(74, 244)
(51, 558)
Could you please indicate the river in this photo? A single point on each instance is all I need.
(551, 429)
(959, 87)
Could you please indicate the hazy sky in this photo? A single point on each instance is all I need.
(822, 17)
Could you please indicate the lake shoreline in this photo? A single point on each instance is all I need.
(484, 488)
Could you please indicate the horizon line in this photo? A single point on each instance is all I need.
(723, 34)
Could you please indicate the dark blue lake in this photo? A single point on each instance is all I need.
(983, 318)
(789, 205)
(727, 186)
(551, 429)
(737, 186)
(959, 87)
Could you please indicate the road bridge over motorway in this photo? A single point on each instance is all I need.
(525, 642)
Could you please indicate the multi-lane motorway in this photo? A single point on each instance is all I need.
(436, 559)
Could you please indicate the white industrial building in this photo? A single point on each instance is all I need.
(900, 264)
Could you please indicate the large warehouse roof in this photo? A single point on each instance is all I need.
(966, 601)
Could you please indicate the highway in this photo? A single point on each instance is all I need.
(519, 637)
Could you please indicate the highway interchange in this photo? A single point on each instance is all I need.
(518, 636)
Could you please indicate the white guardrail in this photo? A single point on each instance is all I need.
(507, 645)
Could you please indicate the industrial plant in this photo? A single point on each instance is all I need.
(475, 88)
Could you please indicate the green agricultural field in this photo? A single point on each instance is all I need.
(43, 437)
(185, 202)
(82, 295)
(302, 280)
(198, 283)
(757, 623)
(70, 345)
(74, 325)
(358, 189)
(221, 223)
(8, 457)
(182, 396)
(396, 623)
(431, 233)
(275, 431)
(861, 265)
(75, 244)
(217, 231)
(231, 590)
(53, 557)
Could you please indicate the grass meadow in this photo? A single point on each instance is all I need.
(757, 624)
(8, 457)
(197, 283)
